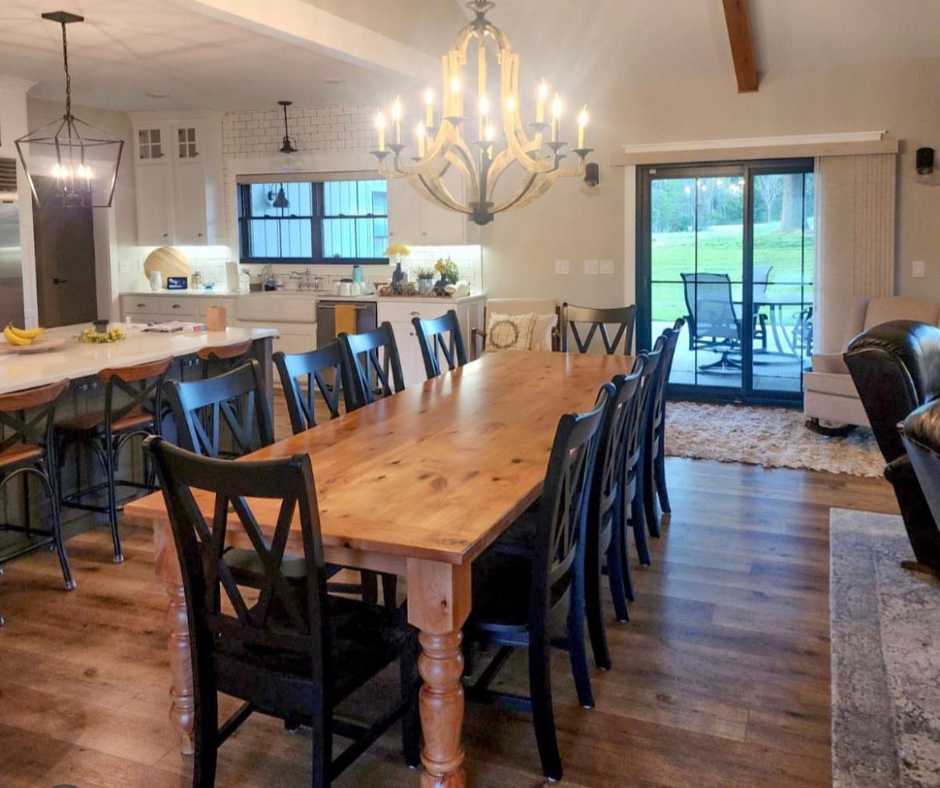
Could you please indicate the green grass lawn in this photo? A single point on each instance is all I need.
(721, 250)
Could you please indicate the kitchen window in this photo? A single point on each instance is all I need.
(313, 221)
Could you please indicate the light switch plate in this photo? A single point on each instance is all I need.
(607, 266)
(562, 267)
(920, 270)
(125, 266)
(590, 266)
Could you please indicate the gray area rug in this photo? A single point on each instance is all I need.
(772, 437)
(885, 628)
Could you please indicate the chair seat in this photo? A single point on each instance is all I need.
(19, 452)
(364, 639)
(94, 423)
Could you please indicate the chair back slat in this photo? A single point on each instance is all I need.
(304, 374)
(577, 319)
(612, 447)
(562, 515)
(440, 337)
(372, 356)
(277, 617)
(222, 416)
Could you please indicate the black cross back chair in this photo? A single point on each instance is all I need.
(287, 655)
(372, 356)
(522, 593)
(440, 337)
(605, 532)
(304, 374)
(26, 451)
(598, 319)
(133, 408)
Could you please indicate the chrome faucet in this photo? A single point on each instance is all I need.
(305, 280)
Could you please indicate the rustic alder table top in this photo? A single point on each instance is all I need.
(439, 471)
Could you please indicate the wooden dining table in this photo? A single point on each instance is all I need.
(418, 484)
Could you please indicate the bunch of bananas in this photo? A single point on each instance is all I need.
(21, 336)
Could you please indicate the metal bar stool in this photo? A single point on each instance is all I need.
(133, 406)
(26, 436)
(223, 358)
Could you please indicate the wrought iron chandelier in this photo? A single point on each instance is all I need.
(81, 160)
(499, 143)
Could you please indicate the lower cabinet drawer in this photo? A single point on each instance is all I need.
(140, 305)
(179, 308)
(402, 313)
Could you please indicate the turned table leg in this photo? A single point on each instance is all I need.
(438, 605)
(181, 691)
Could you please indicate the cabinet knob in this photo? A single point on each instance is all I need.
(176, 306)
(416, 314)
(199, 234)
(165, 235)
(141, 306)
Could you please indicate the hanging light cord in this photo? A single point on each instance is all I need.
(68, 77)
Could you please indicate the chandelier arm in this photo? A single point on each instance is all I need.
(534, 188)
(434, 191)
(528, 183)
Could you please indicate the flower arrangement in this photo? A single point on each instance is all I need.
(111, 335)
(397, 251)
(448, 270)
(426, 273)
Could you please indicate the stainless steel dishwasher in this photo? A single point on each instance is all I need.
(326, 318)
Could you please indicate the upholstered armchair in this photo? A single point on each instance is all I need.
(921, 436)
(896, 369)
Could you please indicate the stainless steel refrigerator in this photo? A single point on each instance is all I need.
(11, 253)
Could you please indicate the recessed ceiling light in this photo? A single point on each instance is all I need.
(156, 94)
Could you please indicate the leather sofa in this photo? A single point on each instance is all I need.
(921, 436)
(896, 368)
(828, 391)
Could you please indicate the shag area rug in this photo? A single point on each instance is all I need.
(885, 628)
(772, 437)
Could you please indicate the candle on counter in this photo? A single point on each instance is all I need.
(429, 108)
(540, 107)
(420, 134)
(556, 116)
(582, 125)
(396, 120)
(380, 128)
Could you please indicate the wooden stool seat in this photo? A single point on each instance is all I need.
(19, 452)
(95, 423)
(224, 352)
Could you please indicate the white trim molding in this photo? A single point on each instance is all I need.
(757, 142)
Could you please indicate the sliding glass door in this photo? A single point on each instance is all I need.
(729, 249)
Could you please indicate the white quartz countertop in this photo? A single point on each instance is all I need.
(322, 295)
(73, 359)
(402, 299)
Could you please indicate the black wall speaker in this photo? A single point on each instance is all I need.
(592, 173)
(924, 161)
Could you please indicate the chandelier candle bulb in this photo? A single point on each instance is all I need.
(582, 125)
(428, 108)
(556, 116)
(419, 133)
(396, 120)
(540, 106)
(380, 128)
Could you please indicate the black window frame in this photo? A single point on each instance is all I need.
(317, 218)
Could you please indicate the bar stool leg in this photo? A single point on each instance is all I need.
(109, 455)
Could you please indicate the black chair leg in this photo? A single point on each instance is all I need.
(390, 590)
(577, 648)
(637, 521)
(660, 473)
(370, 587)
(540, 688)
(619, 591)
(594, 609)
(410, 721)
(649, 497)
(206, 740)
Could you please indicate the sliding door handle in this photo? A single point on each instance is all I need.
(57, 281)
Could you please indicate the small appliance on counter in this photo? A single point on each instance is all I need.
(176, 282)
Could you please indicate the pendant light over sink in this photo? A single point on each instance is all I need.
(287, 144)
(81, 160)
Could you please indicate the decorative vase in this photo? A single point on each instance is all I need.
(156, 280)
(425, 286)
(398, 276)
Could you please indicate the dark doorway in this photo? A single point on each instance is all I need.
(65, 260)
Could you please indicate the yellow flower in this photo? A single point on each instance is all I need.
(397, 249)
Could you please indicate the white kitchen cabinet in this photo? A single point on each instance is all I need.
(291, 337)
(179, 177)
(414, 221)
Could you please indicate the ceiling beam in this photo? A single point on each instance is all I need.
(738, 19)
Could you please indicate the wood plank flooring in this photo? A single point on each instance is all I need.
(721, 678)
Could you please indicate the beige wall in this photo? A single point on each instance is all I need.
(902, 98)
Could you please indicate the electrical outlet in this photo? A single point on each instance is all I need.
(125, 267)
(590, 266)
(607, 266)
(562, 267)
(919, 269)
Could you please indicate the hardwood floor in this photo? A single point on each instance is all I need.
(721, 677)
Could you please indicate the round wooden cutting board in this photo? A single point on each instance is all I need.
(169, 261)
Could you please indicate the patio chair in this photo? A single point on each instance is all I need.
(713, 322)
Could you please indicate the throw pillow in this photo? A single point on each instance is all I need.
(509, 332)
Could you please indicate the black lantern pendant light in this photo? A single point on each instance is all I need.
(80, 160)
(281, 200)
(287, 145)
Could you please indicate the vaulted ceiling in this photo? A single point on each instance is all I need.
(230, 54)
